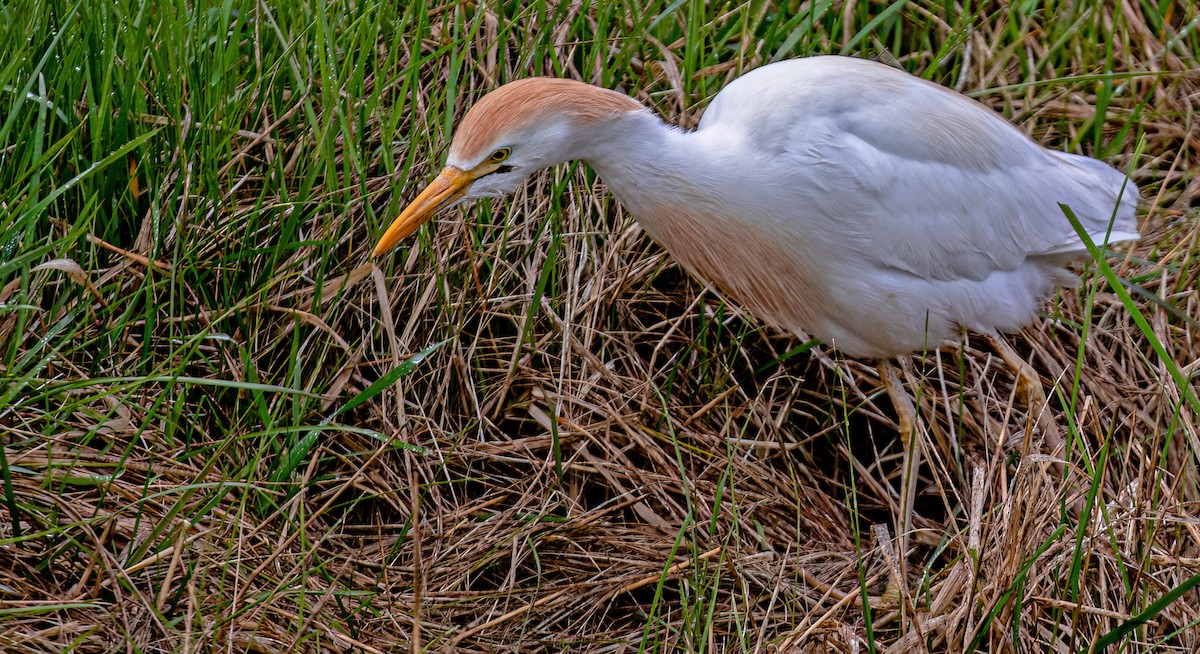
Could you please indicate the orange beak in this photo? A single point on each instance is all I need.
(441, 193)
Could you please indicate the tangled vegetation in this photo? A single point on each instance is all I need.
(225, 429)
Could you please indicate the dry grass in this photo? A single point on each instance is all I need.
(596, 453)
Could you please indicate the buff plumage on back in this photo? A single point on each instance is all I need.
(525, 103)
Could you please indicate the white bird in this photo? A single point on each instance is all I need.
(834, 197)
(831, 196)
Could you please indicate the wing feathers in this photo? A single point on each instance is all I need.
(924, 179)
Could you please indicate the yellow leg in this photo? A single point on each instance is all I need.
(906, 415)
(1029, 387)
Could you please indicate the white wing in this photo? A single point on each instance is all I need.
(915, 177)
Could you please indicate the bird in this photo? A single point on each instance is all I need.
(834, 197)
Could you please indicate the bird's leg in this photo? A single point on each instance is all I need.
(1029, 387)
(906, 415)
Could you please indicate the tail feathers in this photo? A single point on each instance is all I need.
(1076, 247)
(1104, 201)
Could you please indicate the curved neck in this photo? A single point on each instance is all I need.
(643, 160)
(710, 199)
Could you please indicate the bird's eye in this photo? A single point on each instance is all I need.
(499, 155)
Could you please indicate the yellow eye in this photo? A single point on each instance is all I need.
(499, 155)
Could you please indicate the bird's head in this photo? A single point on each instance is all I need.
(510, 133)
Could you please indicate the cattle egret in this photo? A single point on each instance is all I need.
(835, 197)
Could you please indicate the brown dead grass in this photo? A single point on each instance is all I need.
(702, 481)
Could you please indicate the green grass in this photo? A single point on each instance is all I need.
(224, 429)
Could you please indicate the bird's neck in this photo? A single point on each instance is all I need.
(642, 160)
(705, 197)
